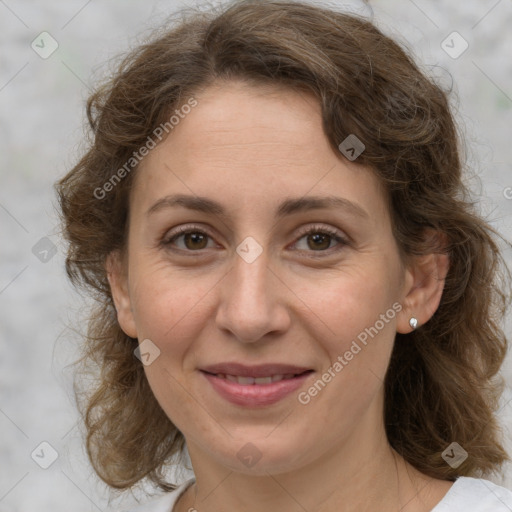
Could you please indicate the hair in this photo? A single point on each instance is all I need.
(442, 384)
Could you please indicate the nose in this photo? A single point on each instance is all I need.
(253, 301)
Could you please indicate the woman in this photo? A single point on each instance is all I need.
(292, 281)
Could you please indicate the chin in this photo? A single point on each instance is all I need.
(261, 457)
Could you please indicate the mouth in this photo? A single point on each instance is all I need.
(271, 370)
(259, 381)
(256, 390)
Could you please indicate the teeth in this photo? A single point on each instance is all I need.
(263, 380)
(248, 381)
(245, 380)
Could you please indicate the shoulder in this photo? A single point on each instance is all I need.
(475, 495)
(165, 502)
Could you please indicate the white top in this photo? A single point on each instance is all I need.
(465, 495)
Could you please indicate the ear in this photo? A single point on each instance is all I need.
(424, 283)
(118, 279)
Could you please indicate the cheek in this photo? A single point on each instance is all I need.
(361, 330)
(164, 299)
(353, 300)
(358, 311)
(170, 310)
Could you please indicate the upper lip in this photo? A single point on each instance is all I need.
(261, 370)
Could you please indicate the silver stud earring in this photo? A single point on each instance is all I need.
(413, 322)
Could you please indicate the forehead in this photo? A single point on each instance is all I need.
(250, 123)
(253, 144)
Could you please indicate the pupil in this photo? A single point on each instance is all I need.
(318, 237)
(194, 237)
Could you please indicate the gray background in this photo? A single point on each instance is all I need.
(42, 114)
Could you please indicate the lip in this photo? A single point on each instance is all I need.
(255, 395)
(261, 370)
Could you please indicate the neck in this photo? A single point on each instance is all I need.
(355, 475)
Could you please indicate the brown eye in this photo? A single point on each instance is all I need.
(320, 239)
(195, 240)
(188, 239)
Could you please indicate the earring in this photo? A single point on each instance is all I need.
(413, 322)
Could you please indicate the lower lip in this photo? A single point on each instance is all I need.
(255, 394)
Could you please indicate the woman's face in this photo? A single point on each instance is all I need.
(248, 285)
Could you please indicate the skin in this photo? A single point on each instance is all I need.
(249, 148)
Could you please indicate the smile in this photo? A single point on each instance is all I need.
(248, 381)
(250, 391)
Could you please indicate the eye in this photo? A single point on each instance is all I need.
(193, 238)
(319, 239)
(316, 238)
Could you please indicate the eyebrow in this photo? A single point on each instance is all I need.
(287, 207)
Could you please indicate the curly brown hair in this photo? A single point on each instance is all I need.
(442, 383)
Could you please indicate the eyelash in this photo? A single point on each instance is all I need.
(333, 233)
